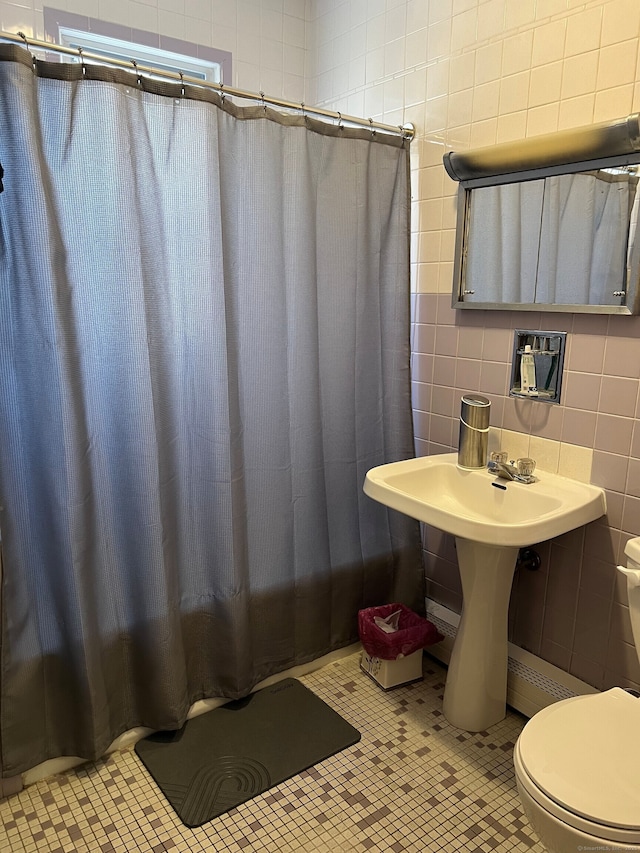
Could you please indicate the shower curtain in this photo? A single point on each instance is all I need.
(203, 349)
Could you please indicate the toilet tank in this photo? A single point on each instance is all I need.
(632, 572)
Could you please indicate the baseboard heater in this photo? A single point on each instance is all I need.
(532, 683)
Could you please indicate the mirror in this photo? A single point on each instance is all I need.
(568, 240)
(550, 223)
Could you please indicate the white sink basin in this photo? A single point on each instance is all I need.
(468, 504)
(491, 520)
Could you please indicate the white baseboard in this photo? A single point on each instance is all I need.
(532, 683)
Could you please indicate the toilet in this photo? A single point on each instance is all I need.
(577, 762)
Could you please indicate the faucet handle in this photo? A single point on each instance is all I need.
(498, 456)
(526, 466)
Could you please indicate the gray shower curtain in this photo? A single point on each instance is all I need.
(203, 349)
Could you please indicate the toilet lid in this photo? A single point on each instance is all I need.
(584, 753)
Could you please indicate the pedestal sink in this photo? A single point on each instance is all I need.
(491, 520)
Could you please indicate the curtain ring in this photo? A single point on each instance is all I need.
(138, 75)
(222, 94)
(372, 128)
(181, 84)
(26, 44)
(340, 125)
(80, 52)
(264, 106)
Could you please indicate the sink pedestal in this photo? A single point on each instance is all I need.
(476, 688)
(490, 525)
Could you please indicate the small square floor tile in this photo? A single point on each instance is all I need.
(413, 783)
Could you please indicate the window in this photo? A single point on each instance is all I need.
(163, 60)
(210, 64)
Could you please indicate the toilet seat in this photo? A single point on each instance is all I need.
(574, 761)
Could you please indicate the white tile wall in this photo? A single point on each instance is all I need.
(267, 38)
(489, 71)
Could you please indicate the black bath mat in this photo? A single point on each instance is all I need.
(237, 751)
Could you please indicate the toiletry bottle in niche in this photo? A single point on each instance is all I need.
(528, 373)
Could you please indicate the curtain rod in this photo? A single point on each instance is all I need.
(407, 131)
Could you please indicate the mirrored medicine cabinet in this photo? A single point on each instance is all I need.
(550, 223)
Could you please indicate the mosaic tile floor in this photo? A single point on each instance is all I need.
(413, 784)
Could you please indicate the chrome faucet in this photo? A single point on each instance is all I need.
(508, 471)
(503, 469)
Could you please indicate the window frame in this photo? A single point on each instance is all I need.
(155, 57)
(56, 19)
